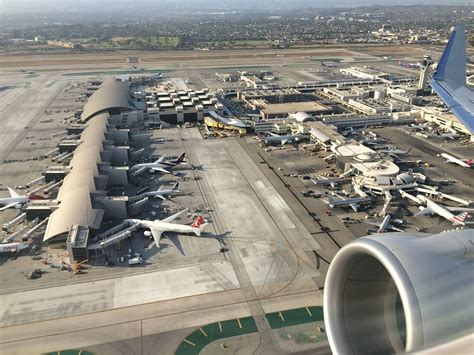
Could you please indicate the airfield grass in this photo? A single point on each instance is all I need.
(197, 340)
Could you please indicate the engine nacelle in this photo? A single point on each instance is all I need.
(18, 206)
(147, 234)
(400, 292)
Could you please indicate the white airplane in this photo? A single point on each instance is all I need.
(288, 138)
(385, 225)
(13, 247)
(450, 159)
(160, 193)
(352, 202)
(333, 181)
(393, 151)
(420, 127)
(161, 164)
(441, 210)
(449, 135)
(158, 227)
(16, 201)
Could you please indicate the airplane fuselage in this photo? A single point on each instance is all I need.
(441, 211)
(12, 247)
(167, 227)
(16, 200)
(455, 160)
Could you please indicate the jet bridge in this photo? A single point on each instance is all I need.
(117, 235)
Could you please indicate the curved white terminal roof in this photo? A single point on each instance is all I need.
(230, 121)
(302, 117)
(76, 209)
(112, 94)
(320, 135)
(74, 195)
(377, 169)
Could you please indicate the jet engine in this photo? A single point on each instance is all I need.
(400, 292)
(147, 233)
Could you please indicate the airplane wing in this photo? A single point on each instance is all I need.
(160, 196)
(284, 141)
(390, 226)
(174, 216)
(424, 211)
(353, 206)
(373, 223)
(8, 206)
(163, 170)
(459, 209)
(449, 80)
(156, 236)
(162, 159)
(12, 192)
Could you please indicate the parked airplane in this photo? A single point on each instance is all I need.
(450, 159)
(384, 225)
(408, 65)
(16, 201)
(158, 227)
(160, 193)
(449, 79)
(393, 152)
(353, 131)
(333, 181)
(288, 138)
(161, 164)
(441, 210)
(420, 127)
(12, 247)
(342, 201)
(449, 135)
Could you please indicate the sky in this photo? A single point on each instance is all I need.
(48, 6)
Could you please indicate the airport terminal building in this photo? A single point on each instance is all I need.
(99, 161)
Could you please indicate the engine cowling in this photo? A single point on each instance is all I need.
(147, 233)
(400, 292)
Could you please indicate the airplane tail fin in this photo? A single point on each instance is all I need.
(12, 192)
(469, 162)
(35, 197)
(459, 219)
(197, 223)
(175, 187)
(180, 159)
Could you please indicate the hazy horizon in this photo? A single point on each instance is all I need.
(91, 6)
